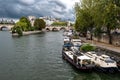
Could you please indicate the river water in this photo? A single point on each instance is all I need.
(38, 57)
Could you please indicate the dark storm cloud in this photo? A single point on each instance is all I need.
(58, 3)
(59, 12)
(18, 8)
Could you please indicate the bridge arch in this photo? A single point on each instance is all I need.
(62, 28)
(4, 28)
(48, 29)
(54, 29)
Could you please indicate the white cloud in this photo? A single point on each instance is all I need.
(69, 3)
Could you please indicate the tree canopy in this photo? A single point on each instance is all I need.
(97, 16)
(39, 24)
(22, 25)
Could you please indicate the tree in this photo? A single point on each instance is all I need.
(18, 30)
(24, 23)
(98, 16)
(108, 20)
(39, 24)
(84, 18)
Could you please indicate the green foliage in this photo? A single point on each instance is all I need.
(108, 19)
(39, 24)
(87, 47)
(98, 32)
(59, 24)
(32, 28)
(18, 30)
(99, 15)
(24, 24)
(84, 18)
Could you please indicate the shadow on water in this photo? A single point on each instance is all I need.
(81, 75)
(78, 75)
(96, 76)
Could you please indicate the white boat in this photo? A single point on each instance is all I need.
(66, 39)
(76, 42)
(81, 62)
(67, 33)
(103, 62)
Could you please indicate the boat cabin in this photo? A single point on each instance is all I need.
(76, 42)
(101, 59)
(84, 60)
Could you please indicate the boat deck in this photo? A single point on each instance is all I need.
(69, 53)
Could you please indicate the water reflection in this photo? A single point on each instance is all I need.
(96, 76)
(38, 57)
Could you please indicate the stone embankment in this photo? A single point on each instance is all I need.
(28, 33)
(108, 49)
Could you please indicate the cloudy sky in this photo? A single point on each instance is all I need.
(55, 8)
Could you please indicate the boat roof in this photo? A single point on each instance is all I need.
(66, 39)
(83, 57)
(91, 52)
(76, 40)
(105, 56)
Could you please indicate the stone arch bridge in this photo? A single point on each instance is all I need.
(7, 26)
(51, 28)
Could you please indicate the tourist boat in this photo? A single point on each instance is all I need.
(81, 62)
(66, 39)
(67, 43)
(76, 42)
(67, 33)
(103, 62)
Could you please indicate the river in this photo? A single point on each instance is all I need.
(38, 57)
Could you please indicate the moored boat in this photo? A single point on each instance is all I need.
(76, 42)
(103, 62)
(81, 62)
(67, 33)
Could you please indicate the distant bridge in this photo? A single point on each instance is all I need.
(51, 28)
(7, 26)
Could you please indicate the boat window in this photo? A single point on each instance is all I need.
(101, 59)
(79, 60)
(95, 58)
(108, 60)
(86, 62)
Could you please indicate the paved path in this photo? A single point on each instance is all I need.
(103, 45)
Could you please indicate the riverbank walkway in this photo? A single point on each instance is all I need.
(102, 45)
